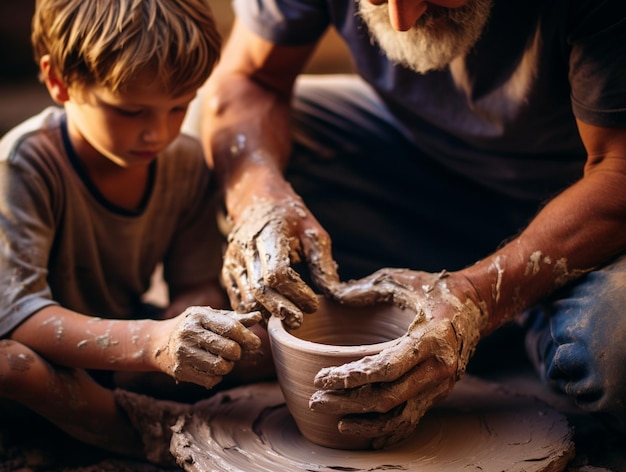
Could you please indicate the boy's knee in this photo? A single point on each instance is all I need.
(17, 368)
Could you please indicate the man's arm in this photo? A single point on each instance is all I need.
(247, 139)
(579, 230)
(246, 117)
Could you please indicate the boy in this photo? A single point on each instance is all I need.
(93, 196)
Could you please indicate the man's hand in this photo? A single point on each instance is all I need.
(202, 344)
(384, 396)
(257, 272)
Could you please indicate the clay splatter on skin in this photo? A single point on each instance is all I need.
(140, 354)
(562, 274)
(301, 212)
(533, 267)
(20, 362)
(57, 324)
(495, 290)
(103, 341)
(134, 329)
(238, 146)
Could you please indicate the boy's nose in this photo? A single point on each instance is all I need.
(156, 131)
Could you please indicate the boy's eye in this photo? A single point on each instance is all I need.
(125, 112)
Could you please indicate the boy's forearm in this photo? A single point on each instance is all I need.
(70, 339)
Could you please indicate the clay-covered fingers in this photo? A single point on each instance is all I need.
(317, 247)
(235, 280)
(246, 319)
(219, 332)
(205, 343)
(257, 270)
(421, 342)
(398, 423)
(277, 254)
(378, 391)
(273, 282)
(194, 364)
(386, 366)
(387, 411)
(382, 286)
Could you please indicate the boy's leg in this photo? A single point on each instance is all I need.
(576, 342)
(69, 398)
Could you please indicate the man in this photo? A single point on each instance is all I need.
(483, 137)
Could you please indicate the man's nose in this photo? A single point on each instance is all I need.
(404, 13)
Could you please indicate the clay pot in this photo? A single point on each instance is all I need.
(332, 336)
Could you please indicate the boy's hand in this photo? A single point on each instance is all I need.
(203, 344)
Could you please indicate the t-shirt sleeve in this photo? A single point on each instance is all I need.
(597, 68)
(285, 22)
(26, 235)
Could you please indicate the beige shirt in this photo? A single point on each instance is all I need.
(61, 242)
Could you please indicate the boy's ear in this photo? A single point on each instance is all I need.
(56, 88)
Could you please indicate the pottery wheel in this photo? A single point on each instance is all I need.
(479, 427)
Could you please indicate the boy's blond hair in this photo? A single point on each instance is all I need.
(109, 42)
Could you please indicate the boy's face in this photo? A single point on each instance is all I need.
(129, 128)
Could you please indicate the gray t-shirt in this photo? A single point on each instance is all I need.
(503, 116)
(62, 243)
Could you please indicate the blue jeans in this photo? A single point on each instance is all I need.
(577, 342)
(385, 204)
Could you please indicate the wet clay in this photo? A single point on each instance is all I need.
(153, 420)
(332, 336)
(478, 427)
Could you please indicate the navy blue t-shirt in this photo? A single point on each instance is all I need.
(504, 115)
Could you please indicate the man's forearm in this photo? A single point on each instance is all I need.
(579, 230)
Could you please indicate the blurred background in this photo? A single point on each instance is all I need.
(21, 95)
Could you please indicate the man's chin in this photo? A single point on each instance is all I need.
(434, 42)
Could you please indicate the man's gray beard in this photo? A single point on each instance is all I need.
(438, 36)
